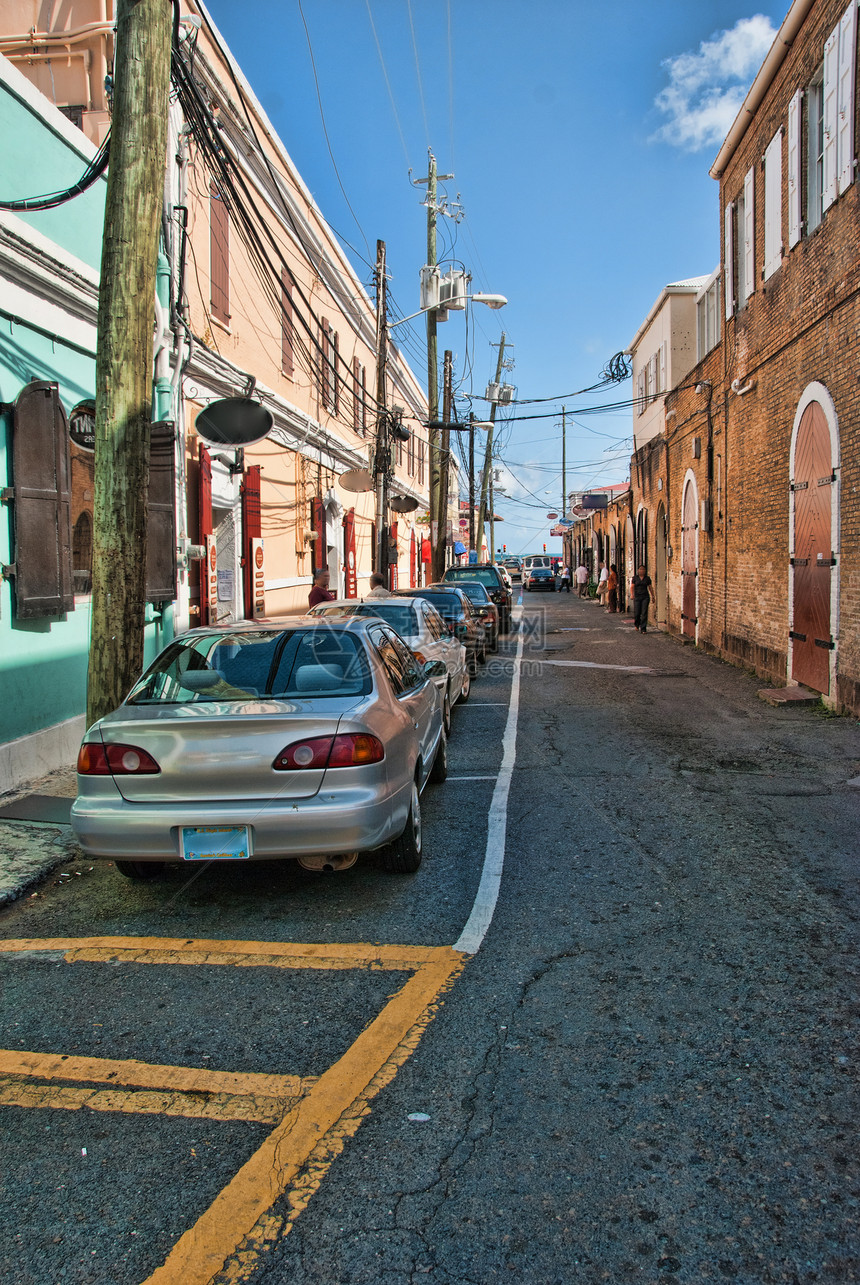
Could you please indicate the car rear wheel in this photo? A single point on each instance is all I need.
(472, 665)
(403, 856)
(446, 712)
(439, 770)
(465, 687)
(140, 871)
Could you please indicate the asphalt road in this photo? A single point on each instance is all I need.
(647, 1071)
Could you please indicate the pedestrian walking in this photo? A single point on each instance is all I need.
(642, 591)
(612, 588)
(581, 578)
(564, 583)
(320, 591)
(602, 582)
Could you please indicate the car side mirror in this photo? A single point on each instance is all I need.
(435, 669)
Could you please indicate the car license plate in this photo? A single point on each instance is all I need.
(214, 843)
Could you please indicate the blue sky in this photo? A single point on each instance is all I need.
(580, 135)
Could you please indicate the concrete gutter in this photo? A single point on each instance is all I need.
(778, 52)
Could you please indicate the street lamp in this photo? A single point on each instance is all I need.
(493, 301)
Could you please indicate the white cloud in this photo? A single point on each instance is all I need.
(706, 88)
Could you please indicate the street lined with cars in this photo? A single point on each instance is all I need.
(633, 937)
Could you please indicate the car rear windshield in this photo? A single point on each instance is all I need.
(476, 592)
(400, 615)
(447, 604)
(239, 667)
(483, 575)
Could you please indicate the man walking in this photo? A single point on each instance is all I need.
(581, 578)
(643, 592)
(564, 583)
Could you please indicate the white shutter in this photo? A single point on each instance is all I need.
(749, 232)
(845, 97)
(664, 362)
(729, 252)
(794, 190)
(652, 377)
(640, 390)
(831, 118)
(773, 206)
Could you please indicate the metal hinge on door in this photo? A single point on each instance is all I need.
(796, 636)
(799, 562)
(798, 486)
(823, 642)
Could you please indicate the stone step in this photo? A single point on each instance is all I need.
(789, 696)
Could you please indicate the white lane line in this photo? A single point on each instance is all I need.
(494, 777)
(592, 664)
(484, 905)
(485, 704)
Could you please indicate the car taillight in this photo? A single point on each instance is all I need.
(96, 759)
(352, 749)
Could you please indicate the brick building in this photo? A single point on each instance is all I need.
(745, 502)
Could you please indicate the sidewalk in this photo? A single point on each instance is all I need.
(35, 835)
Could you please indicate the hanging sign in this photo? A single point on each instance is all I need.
(259, 591)
(212, 578)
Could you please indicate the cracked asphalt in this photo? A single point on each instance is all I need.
(648, 1072)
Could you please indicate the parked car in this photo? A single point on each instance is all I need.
(459, 615)
(506, 576)
(538, 578)
(486, 609)
(491, 578)
(423, 630)
(310, 739)
(513, 566)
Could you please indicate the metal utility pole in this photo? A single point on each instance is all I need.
(563, 463)
(471, 482)
(488, 456)
(382, 454)
(124, 371)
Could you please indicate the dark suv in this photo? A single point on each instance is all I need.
(493, 581)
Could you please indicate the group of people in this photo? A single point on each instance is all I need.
(641, 590)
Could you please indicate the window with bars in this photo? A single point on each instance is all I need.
(288, 333)
(328, 383)
(359, 399)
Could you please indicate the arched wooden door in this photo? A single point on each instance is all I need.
(689, 559)
(661, 567)
(813, 559)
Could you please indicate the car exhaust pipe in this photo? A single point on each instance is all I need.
(322, 863)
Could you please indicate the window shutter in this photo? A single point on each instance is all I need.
(252, 529)
(219, 256)
(334, 381)
(640, 390)
(773, 206)
(320, 555)
(794, 189)
(750, 231)
(729, 253)
(652, 376)
(161, 515)
(287, 323)
(845, 97)
(356, 395)
(664, 365)
(831, 118)
(41, 472)
(323, 361)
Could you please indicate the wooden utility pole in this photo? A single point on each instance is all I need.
(488, 455)
(124, 370)
(382, 454)
(445, 458)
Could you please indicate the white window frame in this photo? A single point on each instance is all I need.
(815, 150)
(830, 114)
(772, 206)
(708, 333)
(846, 62)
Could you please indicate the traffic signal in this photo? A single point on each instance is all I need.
(544, 548)
(504, 548)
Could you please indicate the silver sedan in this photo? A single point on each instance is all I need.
(305, 739)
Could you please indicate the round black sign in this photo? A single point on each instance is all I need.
(82, 426)
(233, 421)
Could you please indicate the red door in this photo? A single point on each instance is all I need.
(392, 573)
(413, 562)
(204, 509)
(689, 558)
(349, 554)
(251, 530)
(813, 557)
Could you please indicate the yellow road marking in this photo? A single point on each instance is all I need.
(128, 1071)
(193, 1106)
(253, 954)
(314, 1116)
(202, 1251)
